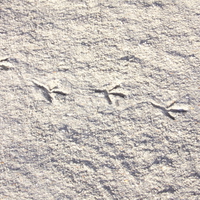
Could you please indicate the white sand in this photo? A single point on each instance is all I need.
(79, 146)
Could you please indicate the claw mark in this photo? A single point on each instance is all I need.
(47, 91)
(177, 110)
(100, 91)
(166, 109)
(59, 92)
(41, 86)
(118, 94)
(171, 104)
(48, 96)
(117, 86)
(169, 115)
(108, 92)
(108, 98)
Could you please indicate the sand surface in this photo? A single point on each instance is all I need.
(65, 134)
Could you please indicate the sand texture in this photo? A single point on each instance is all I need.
(100, 99)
